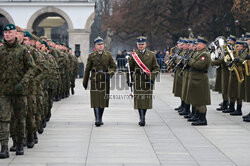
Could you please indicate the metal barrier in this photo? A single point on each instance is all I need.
(121, 64)
(162, 64)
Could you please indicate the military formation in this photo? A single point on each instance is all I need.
(34, 72)
(190, 61)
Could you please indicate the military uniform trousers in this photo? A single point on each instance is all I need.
(18, 118)
(247, 89)
(5, 116)
(32, 111)
(177, 89)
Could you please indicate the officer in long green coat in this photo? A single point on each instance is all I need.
(198, 86)
(246, 118)
(143, 82)
(102, 67)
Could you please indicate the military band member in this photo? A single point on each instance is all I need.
(198, 86)
(177, 84)
(246, 118)
(144, 66)
(102, 67)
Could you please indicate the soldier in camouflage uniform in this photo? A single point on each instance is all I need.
(17, 68)
(102, 67)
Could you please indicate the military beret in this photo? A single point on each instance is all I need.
(45, 43)
(194, 41)
(70, 48)
(247, 36)
(61, 43)
(19, 29)
(201, 40)
(231, 37)
(9, 27)
(27, 34)
(54, 41)
(141, 39)
(98, 40)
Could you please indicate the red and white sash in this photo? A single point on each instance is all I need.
(141, 64)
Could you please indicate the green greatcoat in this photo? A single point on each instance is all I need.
(224, 76)
(241, 86)
(99, 66)
(143, 92)
(178, 80)
(185, 78)
(198, 86)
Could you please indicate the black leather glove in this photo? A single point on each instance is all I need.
(130, 84)
(149, 82)
(19, 89)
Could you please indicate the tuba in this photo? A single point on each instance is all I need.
(234, 67)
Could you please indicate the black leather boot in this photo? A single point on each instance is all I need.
(246, 116)
(101, 113)
(230, 109)
(44, 123)
(4, 152)
(191, 113)
(19, 149)
(30, 141)
(181, 106)
(202, 120)
(97, 117)
(35, 138)
(195, 117)
(13, 148)
(40, 130)
(72, 91)
(142, 117)
(186, 110)
(48, 116)
(223, 106)
(238, 111)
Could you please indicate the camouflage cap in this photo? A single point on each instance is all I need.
(27, 34)
(141, 40)
(9, 27)
(19, 29)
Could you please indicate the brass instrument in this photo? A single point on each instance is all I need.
(246, 64)
(233, 67)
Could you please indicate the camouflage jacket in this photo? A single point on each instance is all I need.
(16, 66)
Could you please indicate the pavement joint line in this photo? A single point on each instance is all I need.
(92, 127)
(158, 114)
(152, 145)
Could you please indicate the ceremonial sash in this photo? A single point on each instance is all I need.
(141, 64)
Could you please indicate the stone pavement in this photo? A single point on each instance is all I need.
(71, 139)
